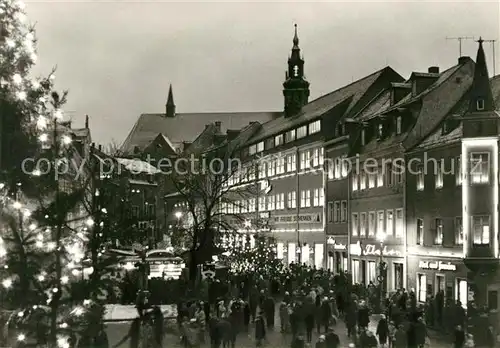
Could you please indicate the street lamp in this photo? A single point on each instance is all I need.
(382, 270)
(178, 215)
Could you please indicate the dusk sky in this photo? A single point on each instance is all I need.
(117, 58)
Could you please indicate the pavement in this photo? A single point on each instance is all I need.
(275, 339)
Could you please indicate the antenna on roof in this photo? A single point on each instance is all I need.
(460, 39)
(492, 42)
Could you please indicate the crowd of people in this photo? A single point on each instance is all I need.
(311, 300)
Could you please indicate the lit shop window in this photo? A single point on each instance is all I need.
(459, 231)
(439, 175)
(481, 230)
(421, 287)
(479, 168)
(438, 236)
(355, 224)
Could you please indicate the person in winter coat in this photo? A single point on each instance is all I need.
(309, 318)
(284, 317)
(363, 316)
(158, 323)
(269, 308)
(260, 329)
(294, 320)
(382, 331)
(371, 340)
(325, 314)
(350, 321)
(400, 338)
(200, 319)
(459, 337)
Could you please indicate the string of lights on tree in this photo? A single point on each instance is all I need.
(27, 244)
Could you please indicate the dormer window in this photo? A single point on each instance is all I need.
(380, 130)
(363, 137)
(445, 129)
(399, 122)
(480, 104)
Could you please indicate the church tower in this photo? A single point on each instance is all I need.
(295, 87)
(170, 106)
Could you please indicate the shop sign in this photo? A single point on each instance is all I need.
(336, 246)
(301, 218)
(371, 249)
(340, 246)
(437, 265)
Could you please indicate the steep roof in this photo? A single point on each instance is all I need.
(351, 93)
(439, 100)
(437, 138)
(186, 126)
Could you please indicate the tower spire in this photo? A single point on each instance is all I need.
(295, 87)
(295, 38)
(481, 94)
(170, 106)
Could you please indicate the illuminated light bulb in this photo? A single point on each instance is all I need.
(39, 244)
(21, 17)
(89, 222)
(75, 272)
(17, 205)
(64, 325)
(10, 43)
(21, 337)
(41, 278)
(2, 185)
(58, 114)
(36, 172)
(3, 252)
(104, 210)
(32, 227)
(52, 77)
(51, 246)
(55, 290)
(39, 236)
(33, 57)
(42, 99)
(21, 95)
(20, 314)
(66, 140)
(64, 279)
(27, 213)
(86, 302)
(17, 79)
(35, 307)
(7, 283)
(43, 137)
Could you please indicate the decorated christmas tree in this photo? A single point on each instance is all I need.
(43, 227)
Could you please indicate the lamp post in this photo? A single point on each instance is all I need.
(382, 277)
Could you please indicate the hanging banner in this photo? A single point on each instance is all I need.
(301, 218)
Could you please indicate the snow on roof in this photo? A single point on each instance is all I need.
(137, 166)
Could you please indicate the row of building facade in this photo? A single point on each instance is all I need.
(404, 170)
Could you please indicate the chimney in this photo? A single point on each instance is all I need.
(433, 70)
(218, 126)
(100, 148)
(87, 121)
(462, 60)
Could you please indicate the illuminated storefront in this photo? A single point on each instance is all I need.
(429, 275)
(365, 260)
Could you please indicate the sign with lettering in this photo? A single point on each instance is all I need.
(372, 249)
(340, 247)
(301, 218)
(437, 265)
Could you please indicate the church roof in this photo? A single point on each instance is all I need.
(186, 126)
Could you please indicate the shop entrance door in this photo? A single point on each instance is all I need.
(439, 283)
